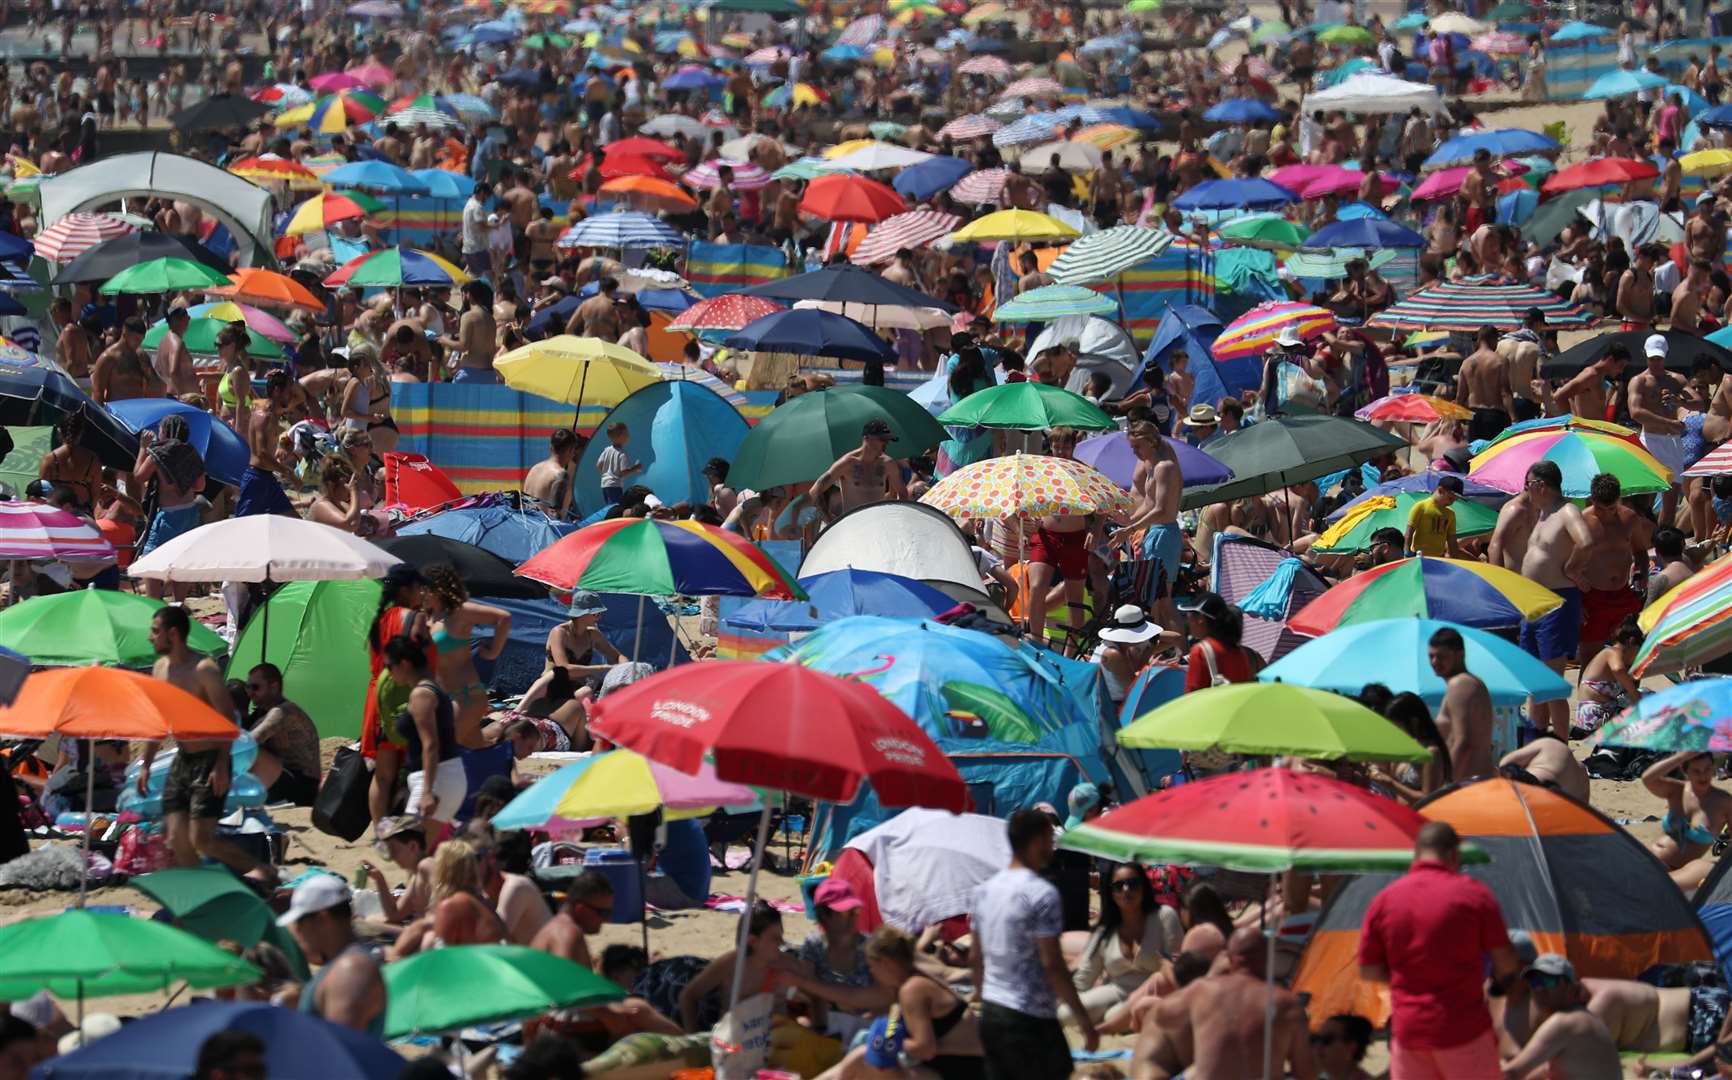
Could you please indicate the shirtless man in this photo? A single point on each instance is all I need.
(173, 364)
(1619, 546)
(1155, 486)
(1522, 351)
(198, 779)
(1180, 383)
(864, 475)
(1214, 1028)
(1570, 1039)
(120, 373)
(1588, 393)
(1705, 234)
(588, 907)
(1688, 314)
(1635, 299)
(549, 480)
(1658, 1020)
(1675, 569)
(477, 338)
(1548, 760)
(177, 509)
(1543, 536)
(261, 427)
(71, 465)
(596, 316)
(1464, 719)
(1479, 192)
(1483, 385)
(901, 270)
(73, 347)
(1654, 397)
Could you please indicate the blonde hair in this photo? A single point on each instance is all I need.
(892, 944)
(455, 870)
(335, 470)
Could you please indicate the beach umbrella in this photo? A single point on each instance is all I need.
(1027, 406)
(841, 594)
(908, 230)
(1290, 450)
(800, 438)
(1364, 233)
(1622, 83)
(649, 557)
(320, 212)
(268, 288)
(576, 370)
(1253, 333)
(435, 991)
(263, 547)
(1237, 194)
(1396, 650)
(200, 339)
(1502, 142)
(993, 67)
(1353, 36)
(1264, 231)
(1452, 590)
(212, 903)
(75, 234)
(1470, 304)
(1104, 255)
(93, 626)
(511, 528)
(1267, 719)
(1353, 531)
(111, 257)
(272, 169)
(1050, 302)
(843, 197)
(1582, 455)
(1707, 163)
(1344, 181)
(1332, 263)
(320, 647)
(973, 126)
(1073, 156)
(748, 176)
(1413, 409)
(1013, 225)
(1035, 87)
(649, 193)
(330, 82)
(1106, 136)
(622, 229)
(877, 157)
(1683, 350)
(376, 175)
(1717, 462)
(36, 392)
(265, 324)
(730, 311)
(848, 290)
(163, 275)
(483, 573)
(1030, 486)
(982, 186)
(98, 954)
(1446, 183)
(1242, 111)
(219, 112)
(332, 114)
(397, 267)
(1688, 626)
(34, 530)
(1600, 172)
(1695, 715)
(645, 147)
(1260, 821)
(1112, 455)
(806, 168)
(805, 332)
(618, 784)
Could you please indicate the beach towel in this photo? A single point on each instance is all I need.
(1269, 600)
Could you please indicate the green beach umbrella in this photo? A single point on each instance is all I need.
(212, 903)
(164, 275)
(1332, 264)
(1028, 406)
(93, 626)
(201, 335)
(1288, 450)
(1390, 512)
(97, 954)
(542, 41)
(1050, 302)
(1270, 30)
(1266, 719)
(462, 985)
(1143, 7)
(887, 129)
(322, 654)
(1265, 231)
(1346, 35)
(806, 168)
(30, 444)
(801, 438)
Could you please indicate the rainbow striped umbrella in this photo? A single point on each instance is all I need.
(273, 169)
(331, 115)
(1475, 302)
(262, 323)
(648, 557)
(1254, 333)
(322, 211)
(1470, 593)
(1691, 624)
(1568, 423)
(617, 784)
(1582, 455)
(395, 267)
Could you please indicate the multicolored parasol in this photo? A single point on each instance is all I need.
(649, 557)
(1581, 455)
(1472, 303)
(1451, 590)
(1029, 486)
(1353, 531)
(75, 234)
(1253, 333)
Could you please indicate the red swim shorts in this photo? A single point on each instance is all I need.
(1069, 551)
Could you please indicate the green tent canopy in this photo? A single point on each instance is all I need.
(318, 639)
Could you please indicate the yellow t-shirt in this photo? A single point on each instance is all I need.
(1431, 525)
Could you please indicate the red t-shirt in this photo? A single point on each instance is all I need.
(1230, 664)
(1432, 930)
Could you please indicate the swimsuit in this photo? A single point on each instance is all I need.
(1068, 551)
(1679, 828)
(445, 644)
(262, 494)
(1708, 1007)
(1163, 545)
(168, 523)
(1590, 715)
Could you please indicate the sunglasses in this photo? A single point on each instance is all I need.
(1324, 1039)
(1541, 981)
(1126, 885)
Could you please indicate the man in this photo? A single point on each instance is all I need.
(1156, 484)
(1428, 935)
(477, 338)
(1572, 1041)
(288, 761)
(723, 497)
(1479, 191)
(1524, 351)
(1483, 385)
(1674, 568)
(862, 476)
(261, 492)
(73, 345)
(348, 988)
(173, 364)
(198, 778)
(1588, 392)
(1659, 1020)
(1547, 760)
(1655, 394)
(1543, 536)
(1464, 718)
(476, 258)
(1214, 1027)
(1431, 522)
(403, 838)
(549, 480)
(1635, 297)
(120, 373)
(596, 316)
(1616, 569)
(1688, 314)
(588, 907)
(1018, 965)
(231, 1055)
(179, 474)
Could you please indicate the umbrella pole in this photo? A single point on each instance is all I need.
(89, 797)
(637, 638)
(577, 409)
(643, 895)
(1269, 1003)
(751, 898)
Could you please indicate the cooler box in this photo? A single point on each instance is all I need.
(621, 869)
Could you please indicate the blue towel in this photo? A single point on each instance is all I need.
(1269, 599)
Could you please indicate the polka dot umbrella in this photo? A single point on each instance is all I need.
(1029, 485)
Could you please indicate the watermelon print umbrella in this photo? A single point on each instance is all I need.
(1475, 302)
(1581, 455)
(1470, 593)
(1253, 333)
(645, 557)
(1264, 820)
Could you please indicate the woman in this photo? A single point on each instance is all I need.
(458, 911)
(1126, 647)
(966, 445)
(366, 406)
(763, 957)
(1698, 815)
(1607, 686)
(930, 1024)
(1217, 658)
(573, 645)
(358, 447)
(1131, 938)
(337, 505)
(1413, 782)
(1341, 1046)
(833, 967)
(454, 618)
(636, 319)
(427, 729)
(400, 599)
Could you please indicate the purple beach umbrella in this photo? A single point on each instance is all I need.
(1112, 454)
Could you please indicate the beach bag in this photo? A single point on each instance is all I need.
(740, 1043)
(340, 809)
(140, 851)
(1297, 391)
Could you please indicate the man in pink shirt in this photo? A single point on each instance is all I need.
(1428, 935)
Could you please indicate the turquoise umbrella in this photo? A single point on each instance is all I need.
(1615, 84)
(1051, 302)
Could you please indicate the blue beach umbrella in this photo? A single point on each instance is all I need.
(1364, 233)
(376, 176)
(1576, 30)
(931, 176)
(812, 332)
(1615, 84)
(1516, 207)
(224, 452)
(1502, 142)
(1242, 111)
(1236, 194)
(838, 594)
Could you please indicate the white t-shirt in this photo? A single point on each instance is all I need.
(612, 462)
(474, 227)
(1013, 910)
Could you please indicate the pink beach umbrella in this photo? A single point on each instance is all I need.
(1297, 177)
(1346, 182)
(33, 530)
(330, 82)
(373, 74)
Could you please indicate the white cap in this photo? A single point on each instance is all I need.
(652, 502)
(320, 892)
(1656, 346)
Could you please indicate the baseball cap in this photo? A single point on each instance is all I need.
(1083, 798)
(837, 895)
(1450, 484)
(401, 825)
(1656, 345)
(884, 1042)
(1523, 943)
(1553, 964)
(320, 892)
(876, 428)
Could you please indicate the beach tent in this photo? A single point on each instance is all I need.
(318, 640)
(1375, 92)
(1269, 585)
(505, 523)
(676, 427)
(907, 538)
(1100, 345)
(239, 204)
(1714, 907)
(1193, 330)
(1561, 871)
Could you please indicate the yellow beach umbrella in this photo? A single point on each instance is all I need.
(577, 370)
(1707, 163)
(841, 149)
(1014, 225)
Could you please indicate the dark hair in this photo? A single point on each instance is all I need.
(1409, 712)
(405, 650)
(561, 440)
(588, 885)
(1668, 543)
(615, 957)
(268, 672)
(134, 325)
(13, 1029)
(549, 1057)
(616, 428)
(1202, 905)
(1437, 838)
(1111, 916)
(1619, 351)
(1628, 630)
(1547, 473)
(717, 467)
(1226, 622)
(1375, 696)
(1026, 826)
(1604, 489)
(1357, 1031)
(970, 369)
(1188, 967)
(225, 1050)
(1447, 637)
(760, 918)
(174, 617)
(447, 584)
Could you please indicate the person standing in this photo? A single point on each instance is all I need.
(1655, 397)
(1428, 936)
(172, 362)
(1464, 718)
(1431, 523)
(476, 258)
(1019, 966)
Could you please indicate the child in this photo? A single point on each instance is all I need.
(615, 464)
